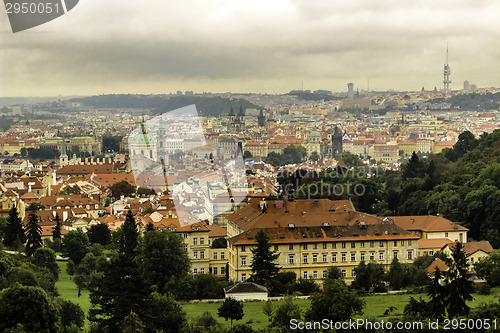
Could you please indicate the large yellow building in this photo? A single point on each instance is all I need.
(312, 235)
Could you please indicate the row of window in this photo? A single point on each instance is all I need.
(213, 270)
(343, 245)
(195, 240)
(305, 258)
(215, 255)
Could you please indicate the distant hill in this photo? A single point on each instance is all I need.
(206, 106)
(473, 101)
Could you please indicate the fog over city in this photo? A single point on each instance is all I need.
(158, 46)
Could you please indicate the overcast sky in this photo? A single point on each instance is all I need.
(159, 46)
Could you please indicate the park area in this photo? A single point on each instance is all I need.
(376, 305)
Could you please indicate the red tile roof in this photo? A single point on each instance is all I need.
(427, 223)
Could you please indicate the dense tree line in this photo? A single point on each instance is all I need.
(29, 301)
(473, 101)
(291, 155)
(461, 184)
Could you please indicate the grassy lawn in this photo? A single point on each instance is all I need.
(375, 307)
(375, 304)
(67, 289)
(253, 314)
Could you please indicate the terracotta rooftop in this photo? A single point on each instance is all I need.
(433, 243)
(217, 231)
(79, 169)
(316, 234)
(427, 223)
(472, 247)
(439, 264)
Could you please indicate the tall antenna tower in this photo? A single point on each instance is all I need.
(446, 73)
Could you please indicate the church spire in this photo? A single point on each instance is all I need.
(63, 148)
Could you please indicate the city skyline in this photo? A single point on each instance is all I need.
(253, 47)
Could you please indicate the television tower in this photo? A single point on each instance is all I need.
(446, 72)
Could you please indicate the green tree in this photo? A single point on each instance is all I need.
(75, 245)
(14, 229)
(436, 305)
(82, 281)
(335, 302)
(414, 168)
(488, 268)
(34, 206)
(150, 227)
(333, 273)
(29, 306)
(247, 155)
(314, 156)
(99, 233)
(395, 274)
(465, 143)
(163, 313)
(129, 237)
(351, 160)
(206, 323)
(163, 257)
(219, 243)
(264, 267)
(33, 234)
(458, 288)
(56, 233)
(285, 312)
(118, 291)
(231, 309)
(45, 257)
(71, 267)
(70, 314)
(121, 188)
(363, 278)
(133, 324)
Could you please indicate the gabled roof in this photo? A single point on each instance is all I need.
(282, 213)
(472, 247)
(216, 231)
(439, 264)
(29, 196)
(432, 243)
(80, 169)
(245, 287)
(427, 223)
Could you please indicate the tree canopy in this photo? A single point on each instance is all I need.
(264, 267)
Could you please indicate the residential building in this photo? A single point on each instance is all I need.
(312, 235)
(429, 226)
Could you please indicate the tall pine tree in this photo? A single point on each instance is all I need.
(122, 288)
(33, 234)
(130, 234)
(264, 268)
(14, 229)
(56, 233)
(459, 287)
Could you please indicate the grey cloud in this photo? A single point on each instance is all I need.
(397, 43)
